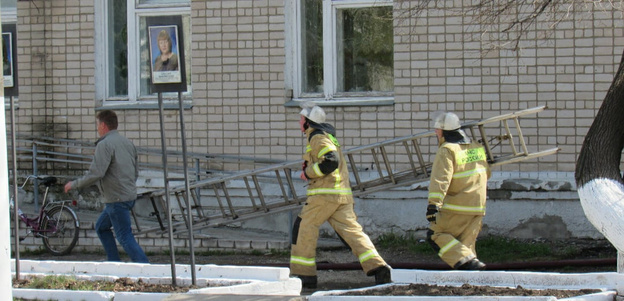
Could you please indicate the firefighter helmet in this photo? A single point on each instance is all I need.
(313, 112)
(446, 121)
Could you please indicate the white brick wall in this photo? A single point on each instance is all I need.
(239, 80)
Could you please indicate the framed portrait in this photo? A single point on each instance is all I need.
(7, 66)
(166, 53)
(9, 59)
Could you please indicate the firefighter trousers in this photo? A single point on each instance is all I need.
(344, 221)
(454, 237)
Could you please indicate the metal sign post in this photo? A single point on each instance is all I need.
(187, 188)
(168, 74)
(16, 219)
(167, 199)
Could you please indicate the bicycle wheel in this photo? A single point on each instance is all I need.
(59, 230)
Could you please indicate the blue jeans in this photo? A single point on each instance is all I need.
(117, 217)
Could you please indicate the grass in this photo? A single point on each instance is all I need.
(68, 283)
(500, 249)
(489, 248)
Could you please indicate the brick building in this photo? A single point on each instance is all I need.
(378, 71)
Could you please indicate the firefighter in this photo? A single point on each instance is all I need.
(457, 192)
(329, 198)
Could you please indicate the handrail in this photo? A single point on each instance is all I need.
(80, 152)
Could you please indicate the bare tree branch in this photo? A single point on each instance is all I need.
(504, 24)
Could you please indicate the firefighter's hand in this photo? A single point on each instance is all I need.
(67, 186)
(431, 212)
(303, 176)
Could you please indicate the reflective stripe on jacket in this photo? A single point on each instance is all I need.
(334, 186)
(459, 178)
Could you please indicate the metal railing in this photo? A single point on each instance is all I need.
(58, 157)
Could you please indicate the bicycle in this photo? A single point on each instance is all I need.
(56, 224)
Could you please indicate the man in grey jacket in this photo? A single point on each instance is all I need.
(115, 170)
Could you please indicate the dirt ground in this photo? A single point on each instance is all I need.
(466, 290)
(338, 270)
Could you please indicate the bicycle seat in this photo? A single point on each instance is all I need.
(48, 181)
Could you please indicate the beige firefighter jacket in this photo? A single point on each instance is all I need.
(335, 186)
(459, 178)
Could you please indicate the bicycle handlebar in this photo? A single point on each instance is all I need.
(46, 180)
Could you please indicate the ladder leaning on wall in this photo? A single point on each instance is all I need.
(277, 188)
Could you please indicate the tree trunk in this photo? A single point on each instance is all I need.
(602, 149)
(598, 177)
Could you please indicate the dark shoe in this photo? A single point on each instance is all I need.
(382, 274)
(307, 281)
(473, 264)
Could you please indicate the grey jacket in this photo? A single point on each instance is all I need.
(114, 168)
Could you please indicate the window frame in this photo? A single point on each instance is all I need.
(134, 99)
(330, 96)
(8, 16)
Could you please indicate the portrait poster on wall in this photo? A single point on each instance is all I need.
(7, 65)
(9, 59)
(165, 50)
(166, 47)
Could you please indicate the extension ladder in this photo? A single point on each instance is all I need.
(276, 188)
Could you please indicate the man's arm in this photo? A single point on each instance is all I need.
(97, 170)
(326, 157)
(441, 175)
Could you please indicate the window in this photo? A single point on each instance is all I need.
(345, 50)
(8, 11)
(8, 8)
(123, 52)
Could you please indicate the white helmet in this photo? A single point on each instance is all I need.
(446, 121)
(312, 112)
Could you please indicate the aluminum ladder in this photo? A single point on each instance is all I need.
(277, 188)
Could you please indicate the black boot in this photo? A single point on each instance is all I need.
(382, 274)
(307, 281)
(473, 264)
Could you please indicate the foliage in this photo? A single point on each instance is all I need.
(491, 248)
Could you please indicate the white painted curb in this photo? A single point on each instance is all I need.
(233, 280)
(608, 282)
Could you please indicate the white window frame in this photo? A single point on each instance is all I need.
(135, 12)
(330, 58)
(9, 16)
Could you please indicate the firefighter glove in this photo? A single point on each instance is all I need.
(431, 212)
